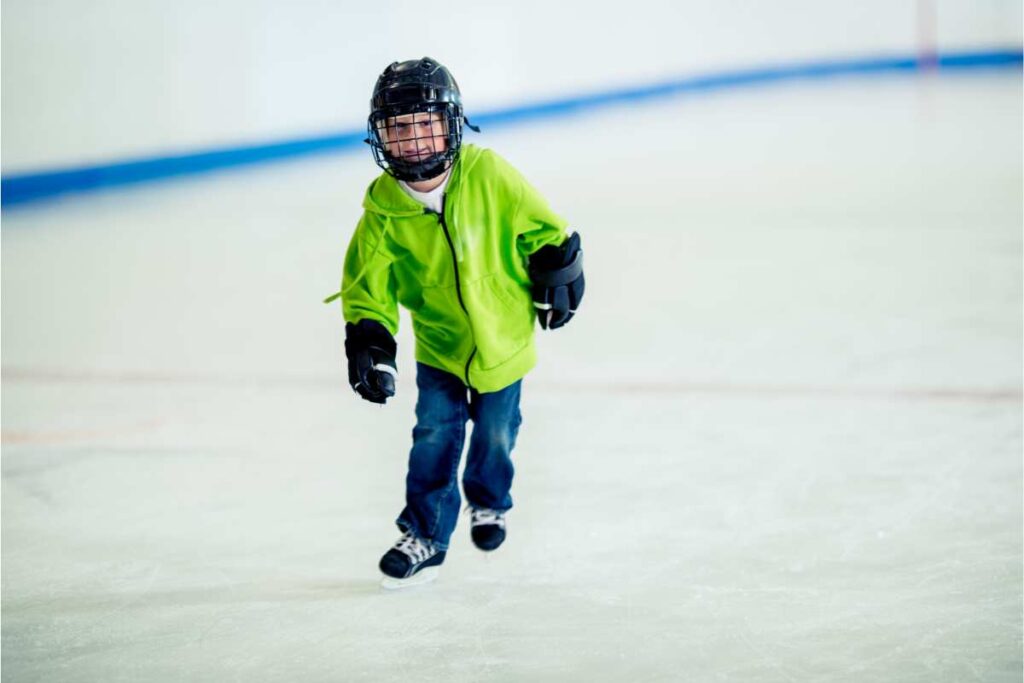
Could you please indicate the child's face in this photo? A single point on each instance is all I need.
(414, 137)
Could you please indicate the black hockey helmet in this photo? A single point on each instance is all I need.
(412, 87)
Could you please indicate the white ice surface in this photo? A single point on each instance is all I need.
(781, 441)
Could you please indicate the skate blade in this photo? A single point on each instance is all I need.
(418, 579)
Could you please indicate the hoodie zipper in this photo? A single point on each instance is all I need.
(458, 282)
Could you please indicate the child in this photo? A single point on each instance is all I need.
(455, 235)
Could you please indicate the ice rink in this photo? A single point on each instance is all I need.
(780, 442)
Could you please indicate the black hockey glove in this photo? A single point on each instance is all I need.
(557, 276)
(371, 360)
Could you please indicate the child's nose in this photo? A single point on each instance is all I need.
(415, 140)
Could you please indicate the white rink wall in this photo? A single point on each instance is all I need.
(105, 80)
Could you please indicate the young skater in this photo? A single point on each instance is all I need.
(458, 237)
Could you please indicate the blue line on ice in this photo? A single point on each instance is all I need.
(26, 187)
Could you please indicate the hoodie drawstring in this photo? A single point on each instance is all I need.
(366, 263)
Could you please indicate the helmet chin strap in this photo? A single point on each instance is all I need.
(430, 168)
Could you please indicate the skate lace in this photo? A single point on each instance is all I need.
(480, 516)
(415, 548)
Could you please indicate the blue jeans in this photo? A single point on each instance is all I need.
(443, 406)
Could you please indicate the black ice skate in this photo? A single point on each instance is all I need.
(487, 528)
(410, 562)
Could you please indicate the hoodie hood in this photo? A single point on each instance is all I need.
(385, 197)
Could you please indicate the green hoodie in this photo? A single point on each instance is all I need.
(462, 275)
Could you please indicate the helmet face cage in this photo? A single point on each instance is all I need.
(415, 122)
(393, 129)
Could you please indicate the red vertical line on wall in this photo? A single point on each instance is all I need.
(927, 50)
(927, 35)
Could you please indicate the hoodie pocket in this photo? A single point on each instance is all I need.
(503, 321)
(512, 298)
